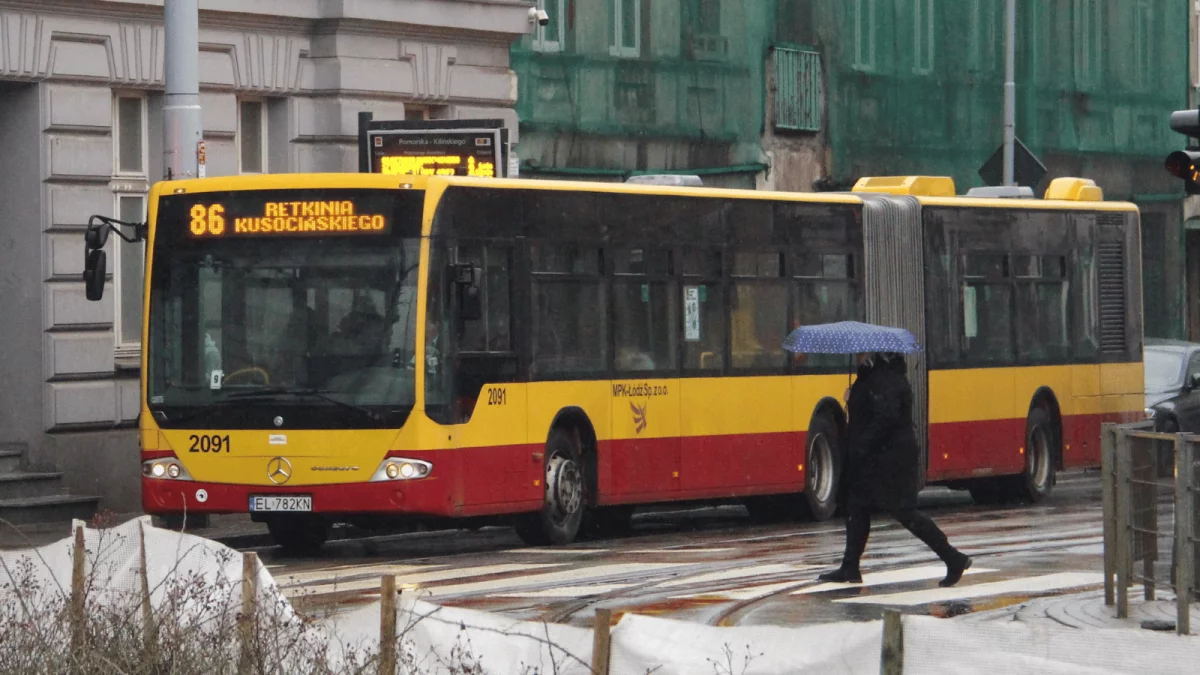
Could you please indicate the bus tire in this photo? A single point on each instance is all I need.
(565, 490)
(823, 458)
(298, 535)
(1037, 480)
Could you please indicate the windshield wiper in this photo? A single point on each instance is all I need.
(323, 395)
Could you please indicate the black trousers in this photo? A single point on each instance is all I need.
(858, 529)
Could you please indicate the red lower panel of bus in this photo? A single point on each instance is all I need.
(494, 480)
(994, 447)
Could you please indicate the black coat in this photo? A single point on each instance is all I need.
(883, 457)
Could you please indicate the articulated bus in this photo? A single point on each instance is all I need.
(367, 349)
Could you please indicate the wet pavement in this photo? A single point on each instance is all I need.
(715, 566)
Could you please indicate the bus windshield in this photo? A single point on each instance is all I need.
(279, 310)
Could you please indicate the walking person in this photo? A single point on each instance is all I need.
(882, 466)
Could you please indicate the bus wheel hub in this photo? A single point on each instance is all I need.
(564, 485)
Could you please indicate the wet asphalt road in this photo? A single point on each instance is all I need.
(714, 565)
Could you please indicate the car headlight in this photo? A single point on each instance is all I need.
(1149, 413)
(400, 468)
(165, 468)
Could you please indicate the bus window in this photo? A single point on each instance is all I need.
(703, 311)
(987, 308)
(1042, 315)
(644, 304)
(826, 292)
(489, 333)
(570, 309)
(1085, 289)
(759, 318)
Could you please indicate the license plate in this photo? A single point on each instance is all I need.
(281, 503)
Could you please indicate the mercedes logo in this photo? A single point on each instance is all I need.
(279, 470)
(278, 421)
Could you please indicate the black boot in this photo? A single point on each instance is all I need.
(843, 575)
(927, 531)
(955, 566)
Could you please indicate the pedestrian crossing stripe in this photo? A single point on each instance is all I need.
(556, 581)
(899, 576)
(355, 584)
(1023, 585)
(541, 581)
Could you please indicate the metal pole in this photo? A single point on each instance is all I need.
(1123, 529)
(1107, 490)
(1010, 90)
(182, 128)
(364, 147)
(1184, 532)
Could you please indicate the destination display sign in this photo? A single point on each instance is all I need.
(248, 215)
(437, 152)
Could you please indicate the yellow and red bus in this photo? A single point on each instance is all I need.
(367, 349)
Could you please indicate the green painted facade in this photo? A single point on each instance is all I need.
(613, 87)
(916, 86)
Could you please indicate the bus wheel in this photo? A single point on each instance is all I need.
(299, 534)
(1035, 483)
(562, 511)
(824, 468)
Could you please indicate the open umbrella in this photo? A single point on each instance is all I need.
(850, 337)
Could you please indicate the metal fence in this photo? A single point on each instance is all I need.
(1151, 516)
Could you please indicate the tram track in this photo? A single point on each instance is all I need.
(564, 614)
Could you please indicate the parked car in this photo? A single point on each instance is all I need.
(1172, 381)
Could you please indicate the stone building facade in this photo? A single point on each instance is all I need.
(81, 97)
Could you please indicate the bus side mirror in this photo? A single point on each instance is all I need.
(96, 236)
(470, 303)
(95, 268)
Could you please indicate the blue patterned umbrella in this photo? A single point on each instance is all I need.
(850, 337)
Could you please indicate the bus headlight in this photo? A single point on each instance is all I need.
(399, 468)
(166, 468)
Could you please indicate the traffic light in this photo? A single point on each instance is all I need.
(1185, 164)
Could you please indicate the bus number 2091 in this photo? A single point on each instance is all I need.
(209, 443)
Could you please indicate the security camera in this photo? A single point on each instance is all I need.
(539, 15)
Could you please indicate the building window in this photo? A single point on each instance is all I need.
(252, 137)
(983, 36)
(549, 38)
(864, 34)
(625, 38)
(130, 141)
(923, 36)
(130, 182)
(1143, 44)
(701, 30)
(1087, 31)
(797, 89)
(130, 268)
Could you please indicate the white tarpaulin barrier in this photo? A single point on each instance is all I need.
(114, 557)
(438, 640)
(434, 639)
(940, 646)
(642, 644)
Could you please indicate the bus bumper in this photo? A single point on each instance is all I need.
(429, 497)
